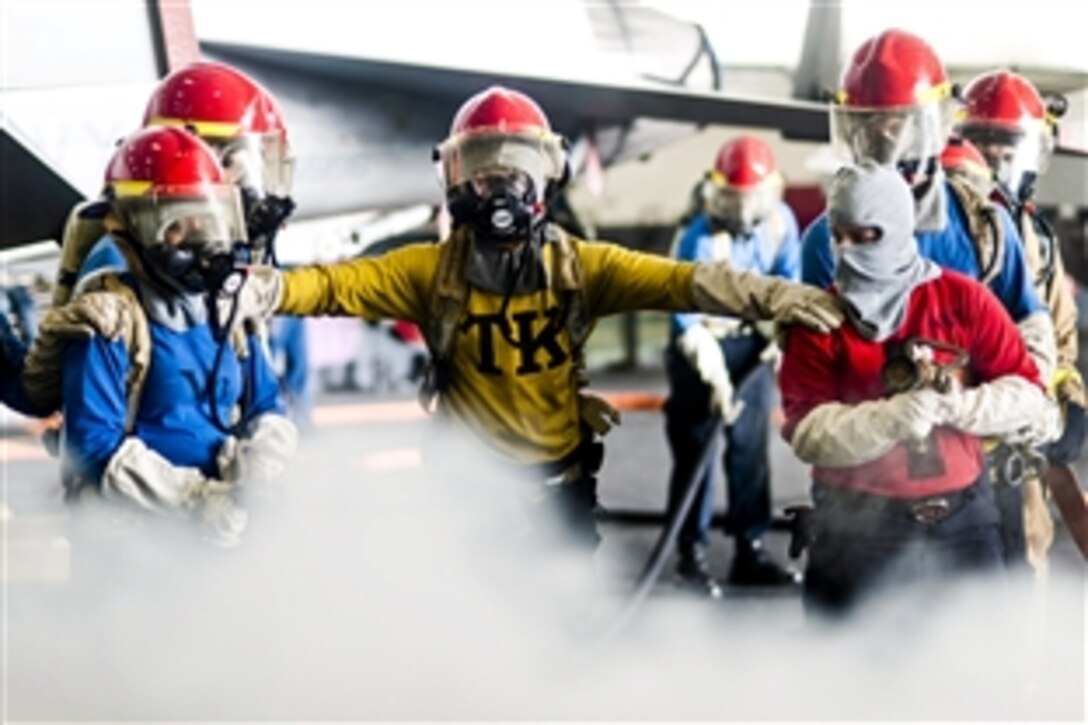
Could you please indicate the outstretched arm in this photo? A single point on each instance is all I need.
(619, 280)
(395, 285)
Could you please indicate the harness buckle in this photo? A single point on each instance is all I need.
(930, 510)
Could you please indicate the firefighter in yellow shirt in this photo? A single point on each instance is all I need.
(507, 301)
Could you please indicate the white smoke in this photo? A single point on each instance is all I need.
(389, 596)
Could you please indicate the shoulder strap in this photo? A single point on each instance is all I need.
(568, 281)
(112, 310)
(86, 224)
(137, 338)
(984, 226)
(1041, 246)
(449, 295)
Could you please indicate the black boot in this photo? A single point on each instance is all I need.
(752, 567)
(694, 573)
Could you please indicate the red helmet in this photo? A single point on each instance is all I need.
(1004, 99)
(891, 70)
(1005, 116)
(500, 129)
(168, 188)
(893, 102)
(233, 113)
(960, 153)
(745, 162)
(962, 158)
(744, 185)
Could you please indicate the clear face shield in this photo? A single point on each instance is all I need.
(259, 161)
(1017, 156)
(262, 167)
(539, 156)
(906, 137)
(191, 236)
(739, 211)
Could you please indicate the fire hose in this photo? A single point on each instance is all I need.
(666, 541)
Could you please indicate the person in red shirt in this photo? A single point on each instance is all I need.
(899, 478)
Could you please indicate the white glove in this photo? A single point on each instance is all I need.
(259, 297)
(222, 519)
(704, 352)
(261, 457)
(722, 290)
(141, 476)
(772, 355)
(1010, 408)
(838, 435)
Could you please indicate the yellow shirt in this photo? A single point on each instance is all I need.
(511, 379)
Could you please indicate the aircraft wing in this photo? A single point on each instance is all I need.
(567, 102)
(363, 130)
(35, 198)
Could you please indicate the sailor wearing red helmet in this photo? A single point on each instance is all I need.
(890, 408)
(507, 301)
(160, 411)
(895, 107)
(743, 221)
(1015, 128)
(245, 127)
(241, 120)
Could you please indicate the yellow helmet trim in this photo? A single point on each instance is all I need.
(938, 92)
(204, 129)
(128, 189)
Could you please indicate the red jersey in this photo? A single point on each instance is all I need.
(844, 367)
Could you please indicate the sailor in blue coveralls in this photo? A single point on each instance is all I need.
(205, 418)
(717, 376)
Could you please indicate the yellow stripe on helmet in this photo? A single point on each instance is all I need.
(938, 92)
(204, 129)
(127, 189)
(928, 94)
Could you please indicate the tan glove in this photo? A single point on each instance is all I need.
(719, 289)
(259, 297)
(598, 413)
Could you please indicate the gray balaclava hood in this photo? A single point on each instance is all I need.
(876, 279)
